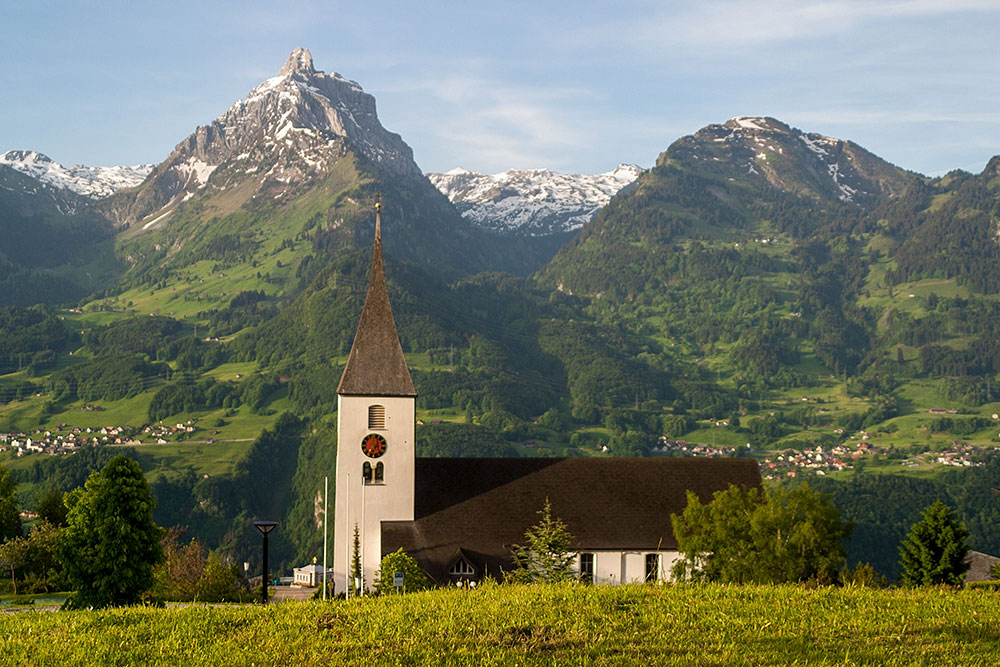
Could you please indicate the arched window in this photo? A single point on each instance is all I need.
(462, 568)
(376, 417)
(373, 475)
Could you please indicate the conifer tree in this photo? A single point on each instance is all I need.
(548, 555)
(357, 575)
(934, 550)
(110, 542)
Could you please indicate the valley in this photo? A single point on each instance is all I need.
(760, 291)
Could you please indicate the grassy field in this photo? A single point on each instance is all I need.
(505, 625)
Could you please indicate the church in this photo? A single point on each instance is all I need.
(460, 518)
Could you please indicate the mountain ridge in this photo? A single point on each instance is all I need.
(531, 202)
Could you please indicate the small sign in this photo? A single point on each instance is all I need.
(397, 580)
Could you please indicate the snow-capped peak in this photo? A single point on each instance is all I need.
(532, 202)
(92, 182)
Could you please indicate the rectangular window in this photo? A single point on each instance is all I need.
(652, 567)
(376, 417)
(587, 568)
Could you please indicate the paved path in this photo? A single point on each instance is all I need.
(292, 593)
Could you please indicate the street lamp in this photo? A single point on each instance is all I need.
(264, 527)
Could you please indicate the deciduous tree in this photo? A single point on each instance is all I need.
(414, 579)
(10, 517)
(750, 535)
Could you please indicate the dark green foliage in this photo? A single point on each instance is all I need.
(313, 388)
(317, 459)
(186, 396)
(111, 544)
(248, 308)
(26, 332)
(461, 440)
(109, 378)
(51, 507)
(934, 550)
(750, 535)
(136, 335)
(10, 517)
(882, 509)
(547, 556)
(17, 390)
(65, 473)
(414, 579)
(953, 239)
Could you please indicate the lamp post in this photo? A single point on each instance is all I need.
(264, 527)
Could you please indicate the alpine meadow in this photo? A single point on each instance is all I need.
(175, 333)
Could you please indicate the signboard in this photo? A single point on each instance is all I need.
(397, 580)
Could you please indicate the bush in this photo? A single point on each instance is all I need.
(414, 579)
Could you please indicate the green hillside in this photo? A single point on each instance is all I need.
(741, 298)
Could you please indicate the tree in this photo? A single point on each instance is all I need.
(13, 557)
(51, 507)
(414, 579)
(934, 550)
(10, 517)
(357, 575)
(746, 535)
(548, 556)
(110, 543)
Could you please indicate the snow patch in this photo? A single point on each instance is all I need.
(749, 123)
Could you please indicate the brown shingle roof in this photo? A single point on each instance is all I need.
(376, 366)
(481, 507)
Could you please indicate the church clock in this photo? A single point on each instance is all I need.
(373, 445)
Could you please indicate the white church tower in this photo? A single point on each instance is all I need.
(375, 432)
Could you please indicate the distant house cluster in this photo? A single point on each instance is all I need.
(65, 439)
(816, 460)
(685, 448)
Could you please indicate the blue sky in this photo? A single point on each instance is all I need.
(576, 87)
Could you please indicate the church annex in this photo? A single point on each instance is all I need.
(459, 518)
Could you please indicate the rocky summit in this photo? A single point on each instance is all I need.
(532, 202)
(286, 134)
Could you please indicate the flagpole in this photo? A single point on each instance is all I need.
(326, 518)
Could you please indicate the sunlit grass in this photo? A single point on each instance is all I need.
(501, 625)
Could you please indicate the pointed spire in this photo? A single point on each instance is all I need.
(376, 365)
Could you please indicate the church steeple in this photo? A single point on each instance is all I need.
(376, 365)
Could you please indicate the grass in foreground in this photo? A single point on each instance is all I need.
(505, 625)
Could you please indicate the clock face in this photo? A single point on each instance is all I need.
(373, 445)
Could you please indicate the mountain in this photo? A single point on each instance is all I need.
(89, 182)
(52, 247)
(739, 182)
(298, 164)
(533, 202)
(762, 150)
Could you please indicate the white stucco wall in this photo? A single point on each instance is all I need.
(623, 567)
(368, 505)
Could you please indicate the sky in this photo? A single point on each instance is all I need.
(575, 87)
